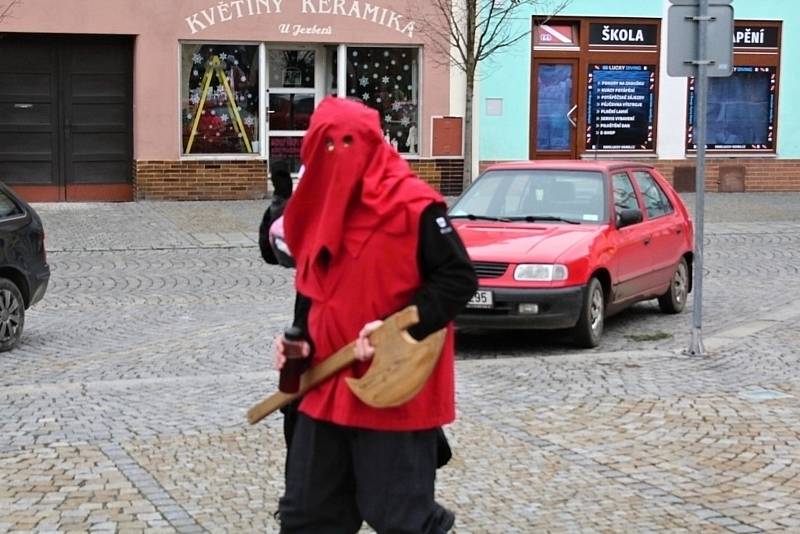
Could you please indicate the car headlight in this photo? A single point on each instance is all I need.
(541, 272)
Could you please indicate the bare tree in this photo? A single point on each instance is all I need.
(5, 10)
(468, 32)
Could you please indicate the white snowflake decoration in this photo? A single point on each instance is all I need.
(387, 118)
(197, 59)
(405, 121)
(397, 106)
(249, 120)
(223, 56)
(243, 79)
(194, 99)
(188, 116)
(365, 97)
(363, 81)
(385, 80)
(224, 117)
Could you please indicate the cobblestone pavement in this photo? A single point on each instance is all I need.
(123, 409)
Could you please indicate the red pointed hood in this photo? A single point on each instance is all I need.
(354, 184)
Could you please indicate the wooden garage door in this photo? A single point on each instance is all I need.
(66, 117)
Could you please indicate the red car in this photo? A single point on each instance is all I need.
(565, 244)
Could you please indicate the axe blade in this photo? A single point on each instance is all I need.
(400, 367)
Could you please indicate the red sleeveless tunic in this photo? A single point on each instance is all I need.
(353, 227)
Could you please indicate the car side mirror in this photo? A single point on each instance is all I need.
(628, 217)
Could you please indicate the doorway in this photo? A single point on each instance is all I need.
(66, 117)
(554, 105)
(296, 77)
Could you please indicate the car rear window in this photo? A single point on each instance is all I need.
(8, 208)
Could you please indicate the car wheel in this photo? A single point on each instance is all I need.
(674, 300)
(12, 314)
(590, 324)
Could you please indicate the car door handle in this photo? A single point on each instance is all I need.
(678, 229)
(647, 239)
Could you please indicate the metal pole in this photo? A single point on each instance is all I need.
(701, 94)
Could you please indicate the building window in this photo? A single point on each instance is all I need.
(740, 113)
(219, 98)
(387, 80)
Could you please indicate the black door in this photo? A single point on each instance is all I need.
(66, 117)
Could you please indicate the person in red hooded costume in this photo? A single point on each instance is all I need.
(369, 238)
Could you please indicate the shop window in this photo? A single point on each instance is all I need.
(387, 79)
(620, 111)
(219, 98)
(740, 112)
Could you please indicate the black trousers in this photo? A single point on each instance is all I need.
(338, 477)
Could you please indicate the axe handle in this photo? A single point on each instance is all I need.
(320, 372)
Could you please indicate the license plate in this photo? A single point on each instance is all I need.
(481, 299)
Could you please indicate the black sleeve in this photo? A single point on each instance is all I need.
(263, 235)
(302, 305)
(449, 279)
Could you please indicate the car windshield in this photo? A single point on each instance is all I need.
(535, 195)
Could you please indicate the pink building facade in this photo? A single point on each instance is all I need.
(198, 99)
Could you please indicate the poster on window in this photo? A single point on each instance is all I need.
(740, 113)
(620, 107)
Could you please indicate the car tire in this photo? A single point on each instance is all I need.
(12, 314)
(589, 329)
(674, 300)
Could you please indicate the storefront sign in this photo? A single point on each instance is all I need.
(225, 11)
(620, 107)
(755, 36)
(623, 34)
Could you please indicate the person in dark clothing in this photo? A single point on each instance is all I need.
(369, 238)
(281, 192)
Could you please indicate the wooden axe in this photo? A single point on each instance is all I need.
(400, 367)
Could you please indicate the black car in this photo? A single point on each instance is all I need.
(24, 272)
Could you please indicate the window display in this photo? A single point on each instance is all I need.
(620, 107)
(741, 110)
(219, 99)
(387, 79)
